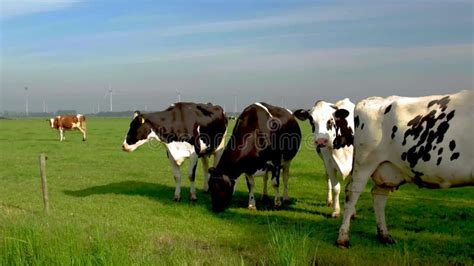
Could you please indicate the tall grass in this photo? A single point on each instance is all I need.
(36, 242)
(293, 246)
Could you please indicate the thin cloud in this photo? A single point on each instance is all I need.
(351, 58)
(15, 8)
(302, 16)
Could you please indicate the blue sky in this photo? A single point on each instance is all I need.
(289, 53)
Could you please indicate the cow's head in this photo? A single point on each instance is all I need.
(54, 122)
(140, 132)
(51, 122)
(332, 126)
(221, 188)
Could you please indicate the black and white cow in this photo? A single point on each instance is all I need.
(426, 141)
(188, 130)
(265, 138)
(335, 151)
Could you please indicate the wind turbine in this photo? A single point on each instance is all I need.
(27, 94)
(178, 95)
(110, 92)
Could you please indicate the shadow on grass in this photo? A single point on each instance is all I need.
(133, 188)
(165, 194)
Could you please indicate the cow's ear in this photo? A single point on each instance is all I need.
(301, 114)
(136, 113)
(341, 113)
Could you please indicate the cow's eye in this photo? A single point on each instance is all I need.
(329, 124)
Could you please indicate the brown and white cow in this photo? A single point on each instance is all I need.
(335, 151)
(188, 130)
(69, 122)
(425, 140)
(265, 139)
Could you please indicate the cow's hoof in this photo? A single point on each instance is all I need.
(277, 206)
(193, 198)
(329, 203)
(286, 199)
(342, 243)
(335, 214)
(177, 198)
(387, 239)
(205, 189)
(252, 207)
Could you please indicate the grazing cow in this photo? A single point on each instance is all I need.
(335, 152)
(69, 122)
(426, 141)
(265, 138)
(188, 130)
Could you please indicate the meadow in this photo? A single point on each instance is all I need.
(109, 207)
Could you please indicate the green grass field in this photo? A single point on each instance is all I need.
(109, 207)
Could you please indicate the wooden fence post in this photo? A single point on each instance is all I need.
(42, 161)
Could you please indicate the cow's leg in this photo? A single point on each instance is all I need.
(380, 196)
(336, 190)
(61, 134)
(329, 196)
(353, 190)
(205, 172)
(286, 176)
(177, 178)
(265, 190)
(251, 186)
(193, 160)
(276, 186)
(83, 131)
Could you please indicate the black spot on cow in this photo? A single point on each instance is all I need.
(387, 109)
(404, 156)
(394, 130)
(439, 161)
(329, 124)
(443, 103)
(344, 133)
(415, 121)
(362, 126)
(454, 156)
(442, 129)
(423, 130)
(426, 157)
(451, 115)
(356, 121)
(452, 145)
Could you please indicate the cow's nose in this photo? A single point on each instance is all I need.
(321, 142)
(124, 147)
